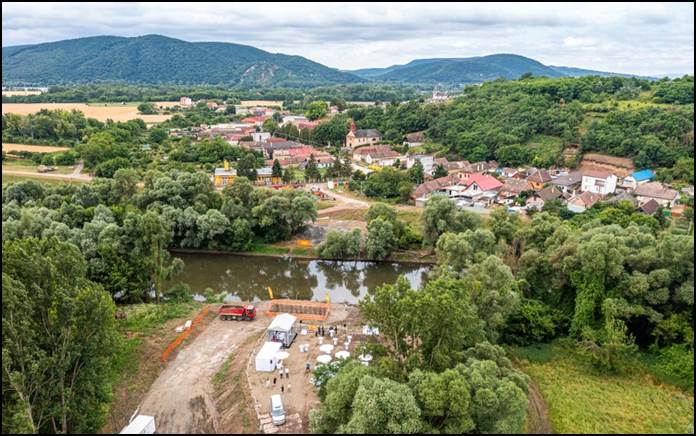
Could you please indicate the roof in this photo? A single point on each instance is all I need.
(587, 199)
(224, 172)
(372, 149)
(433, 185)
(515, 186)
(484, 181)
(269, 350)
(282, 322)
(550, 193)
(138, 424)
(568, 180)
(265, 171)
(643, 175)
(650, 207)
(624, 196)
(540, 176)
(367, 133)
(656, 190)
(597, 174)
(415, 137)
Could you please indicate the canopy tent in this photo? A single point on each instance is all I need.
(342, 354)
(324, 358)
(267, 358)
(282, 329)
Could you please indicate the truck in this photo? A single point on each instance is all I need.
(234, 312)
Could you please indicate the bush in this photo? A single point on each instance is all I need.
(533, 322)
(677, 362)
(66, 158)
(180, 293)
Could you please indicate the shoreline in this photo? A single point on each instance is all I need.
(294, 256)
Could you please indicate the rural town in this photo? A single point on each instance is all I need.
(209, 228)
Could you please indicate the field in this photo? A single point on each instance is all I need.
(250, 103)
(11, 93)
(581, 400)
(100, 111)
(7, 147)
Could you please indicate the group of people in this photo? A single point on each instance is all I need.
(281, 371)
(321, 331)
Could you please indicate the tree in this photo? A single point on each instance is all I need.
(440, 171)
(277, 170)
(147, 108)
(288, 175)
(442, 215)
(340, 245)
(246, 167)
(312, 170)
(381, 239)
(316, 110)
(415, 173)
(58, 342)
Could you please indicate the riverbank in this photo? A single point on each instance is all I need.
(406, 257)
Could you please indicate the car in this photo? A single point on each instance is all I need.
(277, 411)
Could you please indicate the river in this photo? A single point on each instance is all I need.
(247, 278)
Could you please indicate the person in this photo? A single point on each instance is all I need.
(281, 373)
(289, 385)
(307, 367)
(287, 373)
(282, 389)
(268, 383)
(274, 381)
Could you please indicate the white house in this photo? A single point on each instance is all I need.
(428, 162)
(598, 182)
(638, 178)
(185, 102)
(267, 357)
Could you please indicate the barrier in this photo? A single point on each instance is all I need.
(185, 334)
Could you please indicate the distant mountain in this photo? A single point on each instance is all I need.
(155, 59)
(580, 72)
(471, 70)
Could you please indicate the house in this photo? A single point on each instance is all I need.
(581, 202)
(255, 120)
(624, 196)
(656, 191)
(260, 136)
(212, 105)
(482, 185)
(598, 182)
(300, 156)
(264, 177)
(293, 119)
(534, 202)
(428, 162)
(308, 125)
(507, 172)
(650, 207)
(185, 102)
(356, 138)
(381, 155)
(538, 179)
(550, 193)
(511, 189)
(224, 176)
(414, 139)
(570, 183)
(638, 178)
(425, 190)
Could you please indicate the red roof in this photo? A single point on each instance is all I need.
(254, 119)
(484, 181)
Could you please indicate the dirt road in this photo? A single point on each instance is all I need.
(181, 399)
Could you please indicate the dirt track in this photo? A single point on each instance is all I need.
(181, 399)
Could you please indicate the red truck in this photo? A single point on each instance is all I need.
(233, 312)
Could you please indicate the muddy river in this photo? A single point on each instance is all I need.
(248, 277)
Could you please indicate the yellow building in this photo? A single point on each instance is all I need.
(224, 176)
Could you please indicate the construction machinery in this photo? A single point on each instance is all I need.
(234, 312)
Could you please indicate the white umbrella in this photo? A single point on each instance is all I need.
(324, 358)
(281, 355)
(326, 348)
(342, 355)
(365, 357)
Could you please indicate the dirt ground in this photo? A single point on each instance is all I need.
(33, 148)
(299, 395)
(182, 397)
(101, 113)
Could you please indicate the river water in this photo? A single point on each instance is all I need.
(247, 278)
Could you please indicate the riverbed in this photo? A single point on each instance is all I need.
(247, 278)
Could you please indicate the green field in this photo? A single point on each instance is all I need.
(581, 400)
(10, 178)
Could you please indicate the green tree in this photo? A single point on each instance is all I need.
(415, 173)
(246, 167)
(277, 170)
(442, 215)
(312, 169)
(340, 245)
(381, 239)
(440, 171)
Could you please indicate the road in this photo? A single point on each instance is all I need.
(76, 175)
(181, 399)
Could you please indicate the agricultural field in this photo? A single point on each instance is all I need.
(21, 93)
(99, 111)
(581, 400)
(249, 103)
(8, 147)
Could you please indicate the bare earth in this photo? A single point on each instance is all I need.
(101, 113)
(33, 148)
(181, 399)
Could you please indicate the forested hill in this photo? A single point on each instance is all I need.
(472, 70)
(156, 59)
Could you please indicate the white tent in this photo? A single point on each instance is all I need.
(282, 329)
(267, 358)
(141, 424)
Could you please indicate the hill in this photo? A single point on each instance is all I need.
(471, 70)
(155, 59)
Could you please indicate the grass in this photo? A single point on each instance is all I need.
(580, 400)
(412, 218)
(269, 249)
(219, 376)
(26, 165)
(11, 178)
(324, 204)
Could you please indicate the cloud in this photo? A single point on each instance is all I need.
(624, 37)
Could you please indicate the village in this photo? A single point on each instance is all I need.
(474, 186)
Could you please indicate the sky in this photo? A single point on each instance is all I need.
(637, 38)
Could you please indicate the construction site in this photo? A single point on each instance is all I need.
(218, 375)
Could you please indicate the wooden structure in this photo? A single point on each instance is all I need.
(303, 310)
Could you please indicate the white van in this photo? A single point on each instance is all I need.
(277, 411)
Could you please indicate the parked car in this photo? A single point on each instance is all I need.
(277, 411)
